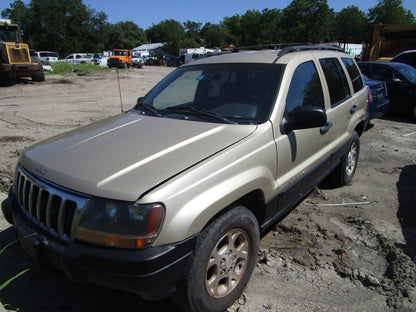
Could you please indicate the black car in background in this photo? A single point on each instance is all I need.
(407, 57)
(400, 79)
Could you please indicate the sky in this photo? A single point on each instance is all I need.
(146, 13)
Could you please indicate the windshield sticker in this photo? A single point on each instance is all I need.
(200, 77)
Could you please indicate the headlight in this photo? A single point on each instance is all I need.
(118, 224)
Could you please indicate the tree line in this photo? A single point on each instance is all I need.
(67, 26)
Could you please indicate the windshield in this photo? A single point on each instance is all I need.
(9, 34)
(122, 53)
(242, 93)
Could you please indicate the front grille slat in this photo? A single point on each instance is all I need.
(61, 216)
(26, 186)
(47, 206)
(41, 206)
(33, 197)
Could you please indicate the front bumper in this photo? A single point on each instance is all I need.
(151, 273)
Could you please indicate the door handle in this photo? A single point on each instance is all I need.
(353, 109)
(325, 129)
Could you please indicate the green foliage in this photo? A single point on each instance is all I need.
(17, 12)
(63, 68)
(391, 12)
(124, 35)
(192, 35)
(68, 26)
(4, 285)
(306, 21)
(167, 31)
(351, 25)
(213, 35)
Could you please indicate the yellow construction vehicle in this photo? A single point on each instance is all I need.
(15, 60)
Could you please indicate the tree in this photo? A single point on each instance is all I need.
(306, 20)
(61, 26)
(124, 35)
(351, 25)
(270, 32)
(17, 13)
(192, 35)
(213, 35)
(390, 12)
(233, 30)
(250, 27)
(167, 31)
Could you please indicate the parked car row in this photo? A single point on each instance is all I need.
(47, 57)
(400, 80)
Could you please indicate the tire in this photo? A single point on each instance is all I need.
(223, 261)
(38, 76)
(344, 172)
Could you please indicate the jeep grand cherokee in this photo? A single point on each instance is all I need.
(172, 195)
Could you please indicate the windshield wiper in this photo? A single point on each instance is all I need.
(200, 112)
(150, 108)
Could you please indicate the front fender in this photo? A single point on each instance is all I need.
(194, 197)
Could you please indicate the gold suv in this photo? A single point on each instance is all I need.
(172, 195)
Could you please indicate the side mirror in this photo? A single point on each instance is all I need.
(305, 117)
(140, 100)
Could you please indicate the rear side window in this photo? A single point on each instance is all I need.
(378, 73)
(336, 80)
(352, 69)
(305, 89)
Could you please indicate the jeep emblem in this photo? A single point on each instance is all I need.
(41, 170)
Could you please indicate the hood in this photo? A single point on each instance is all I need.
(124, 156)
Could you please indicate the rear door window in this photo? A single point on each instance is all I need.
(352, 69)
(336, 80)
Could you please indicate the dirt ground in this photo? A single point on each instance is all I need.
(342, 249)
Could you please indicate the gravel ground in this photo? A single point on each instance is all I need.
(327, 255)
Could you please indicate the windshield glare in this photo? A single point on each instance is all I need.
(240, 92)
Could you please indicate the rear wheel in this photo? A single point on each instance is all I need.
(413, 112)
(223, 261)
(344, 172)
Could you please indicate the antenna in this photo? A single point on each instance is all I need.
(119, 90)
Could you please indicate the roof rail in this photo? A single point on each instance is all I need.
(270, 46)
(291, 49)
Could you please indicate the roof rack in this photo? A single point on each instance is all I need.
(270, 46)
(298, 48)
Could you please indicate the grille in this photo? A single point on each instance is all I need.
(18, 55)
(47, 206)
(114, 62)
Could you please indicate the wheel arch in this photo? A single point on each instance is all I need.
(360, 128)
(253, 201)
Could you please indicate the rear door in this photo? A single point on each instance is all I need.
(342, 102)
(399, 90)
